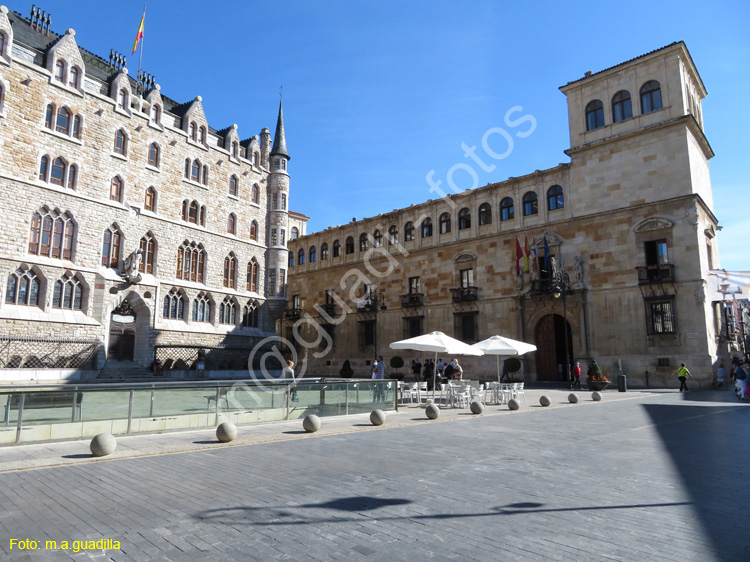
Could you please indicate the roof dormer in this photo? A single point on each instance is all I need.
(65, 64)
(194, 122)
(231, 142)
(155, 108)
(121, 92)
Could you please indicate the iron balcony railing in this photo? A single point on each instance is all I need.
(662, 273)
(461, 294)
(412, 299)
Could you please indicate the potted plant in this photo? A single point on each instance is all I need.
(512, 365)
(595, 379)
(396, 363)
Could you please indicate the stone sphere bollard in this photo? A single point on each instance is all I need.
(311, 423)
(476, 407)
(377, 417)
(573, 398)
(545, 401)
(513, 404)
(596, 396)
(432, 411)
(103, 444)
(226, 432)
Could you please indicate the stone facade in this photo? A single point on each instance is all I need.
(629, 228)
(82, 140)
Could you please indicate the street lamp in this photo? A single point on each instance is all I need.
(375, 299)
(561, 287)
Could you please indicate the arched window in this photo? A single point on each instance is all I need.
(2, 44)
(256, 158)
(203, 216)
(116, 189)
(250, 315)
(202, 135)
(530, 204)
(75, 77)
(153, 155)
(364, 244)
(44, 168)
(254, 230)
(377, 239)
(507, 210)
(174, 305)
(349, 245)
(52, 234)
(155, 114)
(622, 107)
(291, 259)
(192, 212)
(445, 223)
(228, 312)
(464, 219)
(60, 71)
(49, 116)
(294, 233)
(111, 246)
(195, 171)
(72, 176)
(650, 96)
(121, 143)
(555, 198)
(313, 254)
(392, 234)
(67, 293)
(150, 202)
(409, 231)
(204, 175)
(148, 253)
(426, 228)
(77, 127)
(192, 131)
(301, 257)
(191, 260)
(594, 115)
(122, 99)
(336, 248)
(232, 224)
(23, 288)
(324, 251)
(187, 168)
(252, 275)
(62, 124)
(485, 214)
(233, 185)
(235, 149)
(57, 174)
(230, 271)
(202, 308)
(256, 194)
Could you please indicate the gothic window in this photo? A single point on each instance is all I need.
(62, 124)
(44, 168)
(349, 249)
(313, 254)
(255, 159)
(232, 224)
(256, 194)
(464, 219)
(650, 96)
(2, 44)
(235, 150)
(202, 308)
(392, 234)
(121, 143)
(77, 127)
(254, 230)
(49, 116)
(150, 202)
(445, 223)
(427, 228)
(23, 288)
(155, 114)
(301, 257)
(202, 217)
(530, 204)
(148, 249)
(75, 77)
(52, 234)
(324, 251)
(191, 260)
(233, 185)
(116, 189)
(252, 275)
(67, 293)
(555, 198)
(230, 271)
(153, 155)
(294, 233)
(57, 173)
(364, 244)
(227, 312)
(204, 175)
(485, 214)
(506, 209)
(250, 315)
(174, 305)
(195, 170)
(594, 115)
(72, 176)
(192, 131)
(409, 231)
(202, 135)
(336, 248)
(377, 239)
(122, 99)
(60, 71)
(291, 259)
(622, 107)
(111, 246)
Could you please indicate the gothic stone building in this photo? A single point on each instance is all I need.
(629, 229)
(128, 222)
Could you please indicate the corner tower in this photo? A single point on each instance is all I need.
(278, 221)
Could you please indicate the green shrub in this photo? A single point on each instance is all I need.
(396, 362)
(512, 364)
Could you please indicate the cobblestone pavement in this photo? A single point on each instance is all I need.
(638, 476)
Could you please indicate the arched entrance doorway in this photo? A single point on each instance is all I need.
(122, 333)
(549, 336)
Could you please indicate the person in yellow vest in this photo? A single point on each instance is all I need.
(683, 374)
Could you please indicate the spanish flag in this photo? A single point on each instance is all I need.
(139, 35)
(519, 257)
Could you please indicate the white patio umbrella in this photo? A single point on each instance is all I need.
(437, 342)
(498, 345)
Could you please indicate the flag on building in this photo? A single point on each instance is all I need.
(139, 35)
(519, 257)
(526, 253)
(546, 255)
(534, 255)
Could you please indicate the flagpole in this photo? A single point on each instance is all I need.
(140, 56)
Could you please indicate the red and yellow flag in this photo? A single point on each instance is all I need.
(519, 257)
(526, 253)
(139, 35)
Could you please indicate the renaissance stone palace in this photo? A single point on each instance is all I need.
(604, 257)
(134, 234)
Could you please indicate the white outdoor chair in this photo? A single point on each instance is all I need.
(460, 396)
(478, 393)
(518, 391)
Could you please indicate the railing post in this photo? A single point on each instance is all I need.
(218, 394)
(75, 395)
(287, 402)
(20, 417)
(130, 408)
(347, 397)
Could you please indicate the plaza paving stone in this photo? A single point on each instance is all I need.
(639, 476)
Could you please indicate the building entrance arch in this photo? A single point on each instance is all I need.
(122, 330)
(549, 337)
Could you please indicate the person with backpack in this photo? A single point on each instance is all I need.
(740, 378)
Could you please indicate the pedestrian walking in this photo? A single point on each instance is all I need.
(721, 376)
(288, 373)
(576, 376)
(683, 374)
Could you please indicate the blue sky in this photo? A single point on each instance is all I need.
(378, 94)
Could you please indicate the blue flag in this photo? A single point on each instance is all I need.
(546, 254)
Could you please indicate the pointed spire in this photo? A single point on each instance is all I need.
(279, 139)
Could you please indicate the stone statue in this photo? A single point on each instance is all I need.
(578, 267)
(130, 267)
